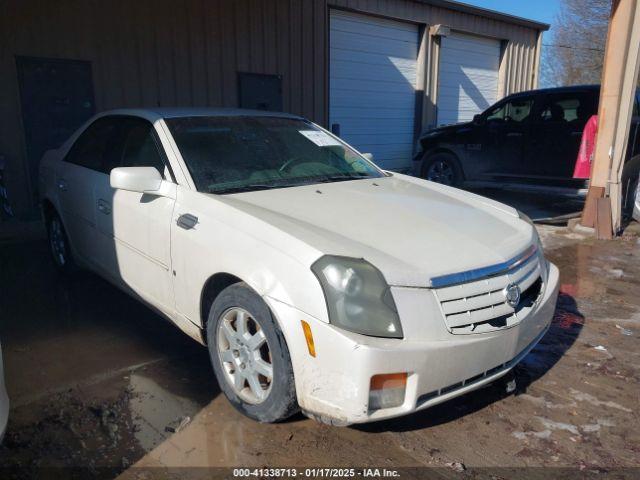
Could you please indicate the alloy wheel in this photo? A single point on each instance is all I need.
(245, 355)
(441, 171)
(58, 242)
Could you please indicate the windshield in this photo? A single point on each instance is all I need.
(243, 153)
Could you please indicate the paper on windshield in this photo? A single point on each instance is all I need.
(320, 138)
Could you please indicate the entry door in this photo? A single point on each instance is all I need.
(134, 228)
(467, 77)
(372, 86)
(56, 97)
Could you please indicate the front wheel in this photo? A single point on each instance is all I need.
(249, 355)
(442, 168)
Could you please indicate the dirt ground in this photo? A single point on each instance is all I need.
(98, 382)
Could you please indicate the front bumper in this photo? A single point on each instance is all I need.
(334, 385)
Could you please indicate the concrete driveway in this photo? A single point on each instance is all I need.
(99, 382)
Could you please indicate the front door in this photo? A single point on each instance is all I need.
(134, 228)
(56, 97)
(505, 130)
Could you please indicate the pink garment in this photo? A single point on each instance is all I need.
(585, 154)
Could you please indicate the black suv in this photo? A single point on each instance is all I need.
(528, 138)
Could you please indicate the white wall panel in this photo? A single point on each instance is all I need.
(372, 82)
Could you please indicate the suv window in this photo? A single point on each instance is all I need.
(94, 144)
(516, 110)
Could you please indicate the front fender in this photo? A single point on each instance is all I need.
(270, 261)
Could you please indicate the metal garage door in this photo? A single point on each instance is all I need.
(372, 78)
(467, 78)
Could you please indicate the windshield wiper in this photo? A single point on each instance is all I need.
(342, 178)
(250, 188)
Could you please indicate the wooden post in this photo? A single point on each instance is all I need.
(619, 77)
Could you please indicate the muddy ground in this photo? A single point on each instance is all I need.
(98, 382)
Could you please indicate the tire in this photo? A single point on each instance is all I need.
(442, 168)
(242, 371)
(59, 246)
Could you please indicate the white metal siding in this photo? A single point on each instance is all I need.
(372, 78)
(467, 76)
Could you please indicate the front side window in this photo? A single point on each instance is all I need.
(95, 144)
(133, 145)
(516, 111)
(244, 153)
(139, 146)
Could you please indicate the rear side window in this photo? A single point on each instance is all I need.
(94, 145)
(571, 109)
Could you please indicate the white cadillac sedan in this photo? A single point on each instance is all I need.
(316, 280)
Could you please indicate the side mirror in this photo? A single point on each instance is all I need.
(368, 156)
(136, 179)
(478, 119)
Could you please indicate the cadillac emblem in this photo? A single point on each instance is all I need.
(512, 294)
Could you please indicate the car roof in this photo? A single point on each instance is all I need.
(157, 113)
(570, 89)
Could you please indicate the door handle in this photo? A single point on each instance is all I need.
(187, 221)
(514, 134)
(62, 184)
(104, 207)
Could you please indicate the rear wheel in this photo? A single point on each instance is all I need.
(59, 245)
(249, 355)
(442, 168)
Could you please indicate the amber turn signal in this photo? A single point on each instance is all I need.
(309, 338)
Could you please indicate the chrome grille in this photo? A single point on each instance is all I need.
(478, 303)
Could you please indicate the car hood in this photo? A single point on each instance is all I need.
(410, 229)
(454, 128)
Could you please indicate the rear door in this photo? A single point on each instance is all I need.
(556, 132)
(134, 228)
(80, 170)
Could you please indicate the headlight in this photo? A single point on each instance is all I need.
(358, 297)
(538, 242)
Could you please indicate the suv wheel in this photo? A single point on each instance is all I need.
(249, 355)
(442, 168)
